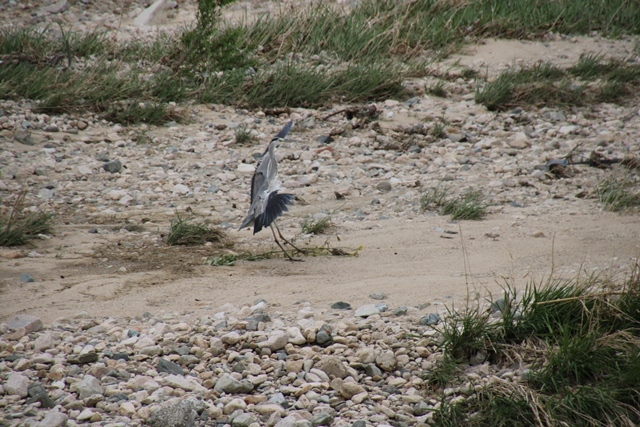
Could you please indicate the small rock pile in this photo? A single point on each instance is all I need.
(244, 367)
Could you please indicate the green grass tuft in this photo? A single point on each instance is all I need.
(18, 227)
(316, 226)
(618, 192)
(184, 232)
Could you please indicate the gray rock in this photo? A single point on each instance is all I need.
(372, 370)
(55, 8)
(378, 296)
(367, 310)
(46, 193)
(169, 367)
(53, 419)
(421, 408)
(17, 385)
(386, 360)
(88, 386)
(29, 323)
(23, 136)
(243, 420)
(384, 186)
(359, 423)
(227, 384)
(37, 393)
(341, 305)
(429, 320)
(324, 139)
(51, 128)
(114, 166)
(181, 414)
(279, 399)
(276, 341)
(83, 359)
(400, 311)
(323, 338)
(333, 367)
(44, 342)
(26, 278)
(321, 419)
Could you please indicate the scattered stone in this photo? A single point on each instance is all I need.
(169, 367)
(82, 359)
(17, 385)
(378, 296)
(321, 419)
(386, 360)
(367, 310)
(430, 319)
(113, 166)
(180, 414)
(53, 419)
(384, 186)
(23, 136)
(26, 278)
(340, 305)
(37, 393)
(88, 386)
(227, 384)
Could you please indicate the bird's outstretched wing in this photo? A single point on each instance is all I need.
(275, 206)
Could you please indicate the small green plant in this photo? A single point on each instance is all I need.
(578, 338)
(438, 89)
(243, 135)
(443, 373)
(184, 232)
(316, 226)
(618, 192)
(470, 206)
(433, 198)
(18, 227)
(438, 130)
(222, 260)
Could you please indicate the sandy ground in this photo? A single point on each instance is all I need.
(411, 260)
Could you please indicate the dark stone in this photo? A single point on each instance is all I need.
(324, 139)
(321, 419)
(429, 320)
(359, 423)
(400, 311)
(341, 305)
(82, 359)
(378, 296)
(183, 350)
(23, 136)
(13, 357)
(169, 367)
(372, 370)
(179, 414)
(264, 318)
(113, 166)
(26, 278)
(120, 356)
(37, 393)
(132, 333)
(323, 338)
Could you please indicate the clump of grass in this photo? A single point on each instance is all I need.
(443, 373)
(580, 338)
(242, 135)
(433, 198)
(227, 260)
(316, 226)
(546, 84)
(438, 130)
(470, 205)
(438, 89)
(185, 232)
(19, 228)
(618, 192)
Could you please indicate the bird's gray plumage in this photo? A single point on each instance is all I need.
(267, 204)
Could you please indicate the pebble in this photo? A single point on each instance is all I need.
(26, 278)
(113, 166)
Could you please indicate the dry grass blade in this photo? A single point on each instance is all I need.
(184, 232)
(18, 227)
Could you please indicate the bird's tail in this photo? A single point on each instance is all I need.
(276, 205)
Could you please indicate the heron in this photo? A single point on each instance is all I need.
(267, 203)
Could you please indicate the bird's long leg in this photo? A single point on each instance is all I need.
(283, 250)
(286, 241)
